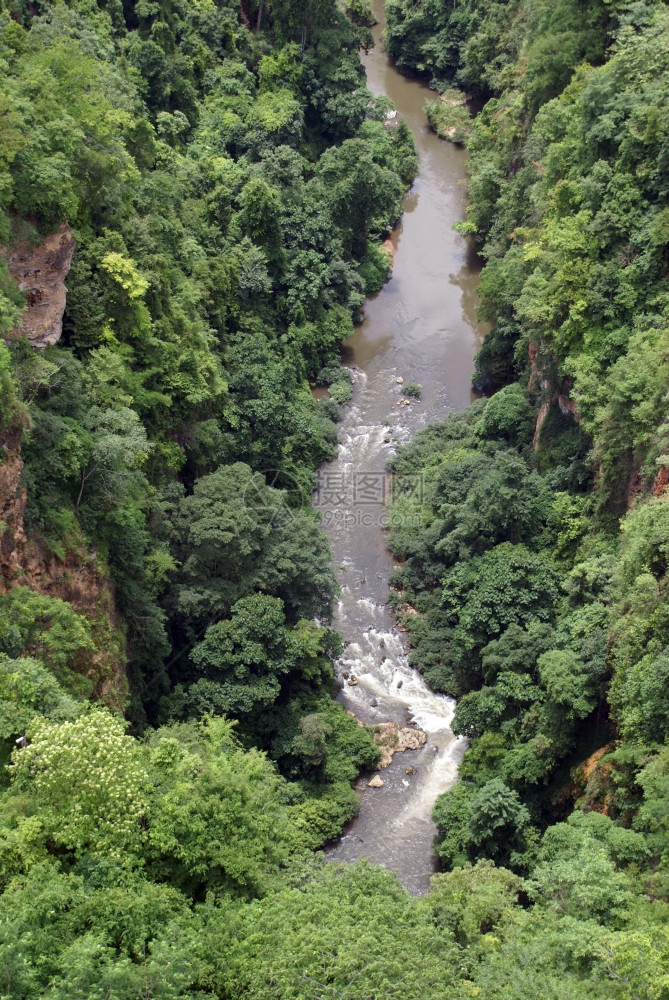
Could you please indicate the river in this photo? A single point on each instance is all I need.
(420, 327)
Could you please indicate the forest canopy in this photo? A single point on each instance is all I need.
(174, 759)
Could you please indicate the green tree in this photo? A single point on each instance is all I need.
(216, 819)
(508, 415)
(641, 700)
(248, 658)
(472, 901)
(45, 627)
(260, 217)
(90, 781)
(497, 821)
(29, 689)
(119, 449)
(350, 930)
(70, 934)
(8, 395)
(508, 585)
(516, 649)
(568, 685)
(236, 534)
(481, 501)
(363, 196)
(576, 876)
(451, 816)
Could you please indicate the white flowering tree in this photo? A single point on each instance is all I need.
(89, 783)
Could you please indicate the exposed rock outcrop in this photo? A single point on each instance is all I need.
(40, 273)
(403, 612)
(26, 562)
(388, 249)
(661, 481)
(555, 391)
(12, 509)
(593, 784)
(376, 782)
(392, 738)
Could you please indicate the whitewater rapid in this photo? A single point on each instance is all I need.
(421, 327)
(394, 827)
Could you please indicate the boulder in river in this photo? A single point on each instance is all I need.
(392, 738)
(376, 782)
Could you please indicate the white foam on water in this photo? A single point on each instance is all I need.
(370, 606)
(380, 664)
(378, 683)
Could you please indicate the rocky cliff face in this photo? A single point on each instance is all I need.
(25, 561)
(40, 273)
(661, 481)
(554, 391)
(12, 509)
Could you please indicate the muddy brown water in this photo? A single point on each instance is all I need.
(420, 327)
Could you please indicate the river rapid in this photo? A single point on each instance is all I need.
(420, 327)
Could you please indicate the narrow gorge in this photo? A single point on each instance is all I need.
(420, 329)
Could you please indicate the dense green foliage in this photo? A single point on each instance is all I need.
(227, 187)
(449, 116)
(227, 177)
(226, 191)
(479, 44)
(539, 572)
